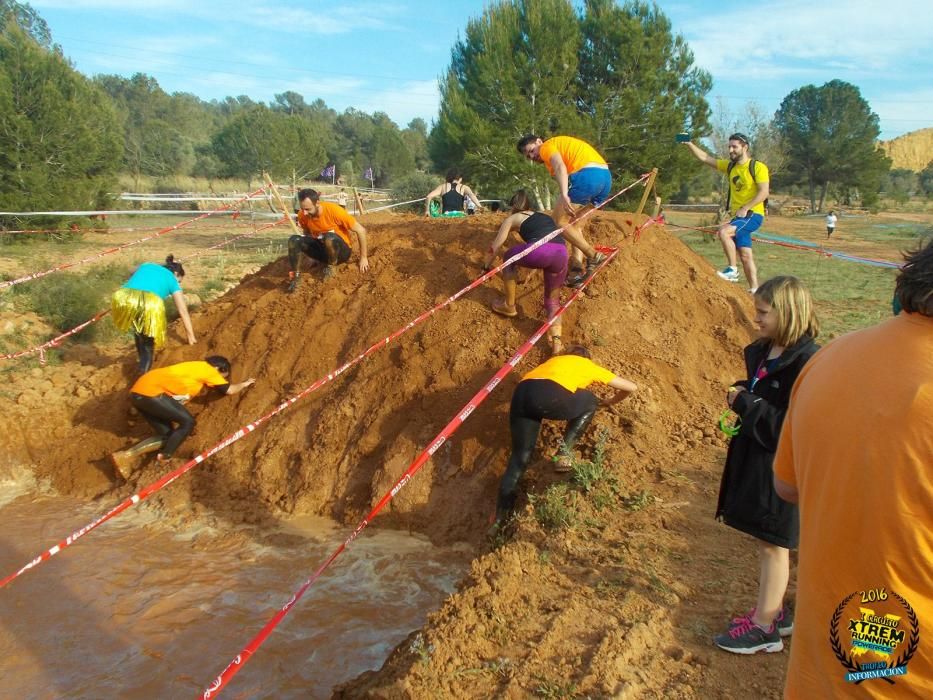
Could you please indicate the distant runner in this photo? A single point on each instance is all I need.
(326, 238)
(159, 396)
(453, 194)
(555, 390)
(550, 258)
(831, 219)
(748, 191)
(583, 178)
(138, 306)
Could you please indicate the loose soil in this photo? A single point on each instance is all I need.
(621, 603)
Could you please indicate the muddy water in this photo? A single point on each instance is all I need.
(140, 609)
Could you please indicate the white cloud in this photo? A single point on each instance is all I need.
(403, 102)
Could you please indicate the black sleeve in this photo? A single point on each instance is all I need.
(222, 389)
(762, 419)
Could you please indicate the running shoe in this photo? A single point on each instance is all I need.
(784, 620)
(748, 638)
(729, 273)
(292, 283)
(122, 463)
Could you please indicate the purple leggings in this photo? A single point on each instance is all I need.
(552, 259)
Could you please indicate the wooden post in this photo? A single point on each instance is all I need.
(278, 198)
(649, 185)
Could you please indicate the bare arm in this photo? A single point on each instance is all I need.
(624, 388)
(360, 232)
(761, 195)
(237, 388)
(182, 306)
(562, 178)
(787, 492)
(510, 223)
(700, 154)
(436, 192)
(467, 192)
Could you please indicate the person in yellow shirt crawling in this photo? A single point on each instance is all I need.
(554, 390)
(326, 238)
(583, 178)
(159, 396)
(749, 185)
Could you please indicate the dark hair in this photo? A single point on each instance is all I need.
(453, 174)
(525, 140)
(578, 350)
(175, 267)
(219, 362)
(520, 201)
(914, 288)
(739, 136)
(308, 193)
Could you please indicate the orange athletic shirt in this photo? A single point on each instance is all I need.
(185, 378)
(574, 152)
(331, 217)
(857, 443)
(571, 371)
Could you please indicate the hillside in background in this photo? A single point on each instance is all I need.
(912, 150)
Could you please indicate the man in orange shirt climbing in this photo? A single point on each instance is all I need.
(583, 178)
(326, 238)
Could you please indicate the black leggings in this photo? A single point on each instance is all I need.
(329, 249)
(161, 412)
(145, 348)
(535, 400)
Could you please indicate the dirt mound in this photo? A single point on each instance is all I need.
(600, 608)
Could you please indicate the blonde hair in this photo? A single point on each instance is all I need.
(794, 308)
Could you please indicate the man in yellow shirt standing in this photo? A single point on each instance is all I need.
(856, 455)
(326, 238)
(583, 178)
(554, 390)
(748, 191)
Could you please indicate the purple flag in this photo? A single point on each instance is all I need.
(328, 171)
(368, 174)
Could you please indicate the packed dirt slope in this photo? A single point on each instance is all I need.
(912, 151)
(590, 610)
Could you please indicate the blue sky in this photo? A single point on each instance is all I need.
(387, 55)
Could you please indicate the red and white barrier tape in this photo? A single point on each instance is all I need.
(56, 341)
(122, 246)
(250, 427)
(234, 666)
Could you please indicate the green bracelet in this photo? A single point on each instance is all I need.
(729, 430)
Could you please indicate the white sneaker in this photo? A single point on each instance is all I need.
(752, 290)
(730, 274)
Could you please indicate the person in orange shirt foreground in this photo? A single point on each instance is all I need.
(326, 238)
(583, 178)
(159, 396)
(856, 455)
(554, 390)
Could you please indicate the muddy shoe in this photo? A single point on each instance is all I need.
(122, 463)
(329, 271)
(501, 308)
(292, 285)
(562, 463)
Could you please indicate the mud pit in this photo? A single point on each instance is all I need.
(621, 605)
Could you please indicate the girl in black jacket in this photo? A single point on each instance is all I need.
(747, 499)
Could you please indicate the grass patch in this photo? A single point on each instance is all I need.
(554, 509)
(638, 501)
(554, 690)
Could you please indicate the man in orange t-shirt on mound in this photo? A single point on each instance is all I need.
(583, 178)
(326, 238)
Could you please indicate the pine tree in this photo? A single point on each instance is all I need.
(59, 134)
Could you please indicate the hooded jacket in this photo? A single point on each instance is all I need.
(747, 499)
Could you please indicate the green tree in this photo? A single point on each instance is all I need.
(513, 73)
(926, 179)
(415, 136)
(59, 133)
(637, 87)
(260, 139)
(26, 18)
(613, 75)
(830, 135)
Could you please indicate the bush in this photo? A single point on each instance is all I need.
(554, 509)
(413, 186)
(65, 300)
